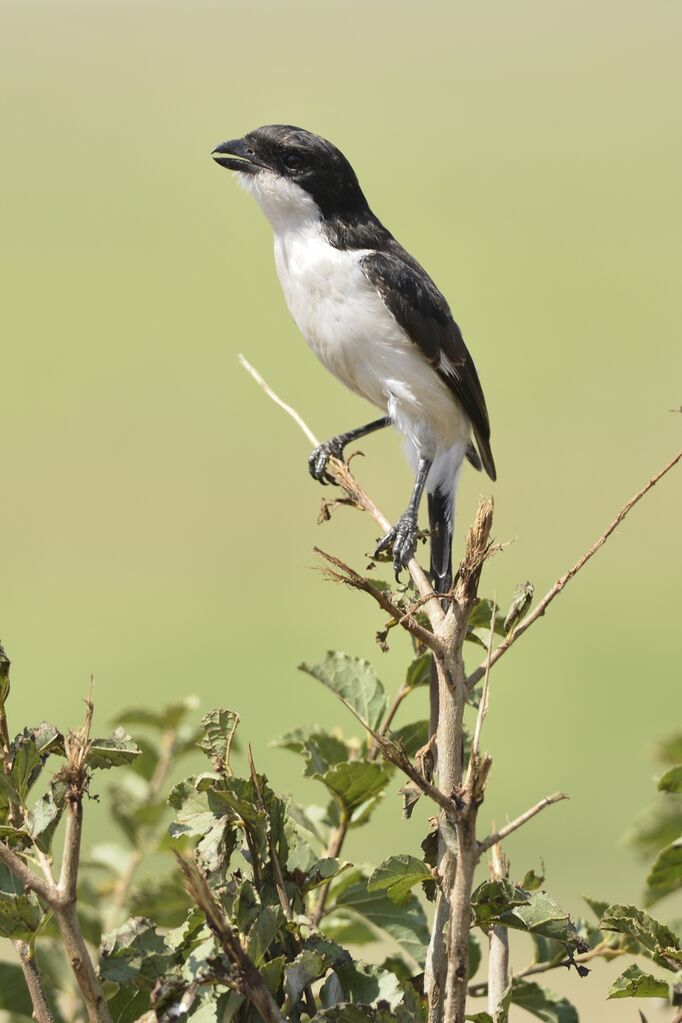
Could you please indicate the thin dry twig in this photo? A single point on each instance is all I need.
(558, 586)
(483, 705)
(344, 477)
(347, 575)
(514, 825)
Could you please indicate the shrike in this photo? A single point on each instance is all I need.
(374, 318)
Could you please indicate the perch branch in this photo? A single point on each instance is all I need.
(558, 586)
(499, 836)
(344, 477)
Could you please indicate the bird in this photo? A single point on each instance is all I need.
(377, 322)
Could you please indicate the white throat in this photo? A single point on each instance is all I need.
(287, 206)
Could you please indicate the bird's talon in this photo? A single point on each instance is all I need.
(317, 462)
(402, 538)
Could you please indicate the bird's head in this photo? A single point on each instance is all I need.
(292, 172)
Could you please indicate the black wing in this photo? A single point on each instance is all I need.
(425, 316)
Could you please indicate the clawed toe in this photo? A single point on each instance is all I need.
(402, 539)
(317, 462)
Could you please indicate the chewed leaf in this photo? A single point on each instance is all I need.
(659, 940)
(219, 726)
(634, 983)
(501, 902)
(114, 751)
(355, 681)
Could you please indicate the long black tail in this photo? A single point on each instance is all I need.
(441, 509)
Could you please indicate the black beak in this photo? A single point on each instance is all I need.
(237, 154)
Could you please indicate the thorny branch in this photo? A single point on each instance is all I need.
(459, 798)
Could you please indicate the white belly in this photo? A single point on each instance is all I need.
(346, 323)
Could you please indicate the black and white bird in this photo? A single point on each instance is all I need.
(374, 318)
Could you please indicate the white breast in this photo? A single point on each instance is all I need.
(346, 323)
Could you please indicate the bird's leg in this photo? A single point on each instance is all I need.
(317, 463)
(402, 538)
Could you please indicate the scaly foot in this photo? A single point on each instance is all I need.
(402, 540)
(317, 463)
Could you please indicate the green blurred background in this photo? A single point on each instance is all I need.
(157, 517)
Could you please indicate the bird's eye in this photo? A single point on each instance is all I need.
(293, 161)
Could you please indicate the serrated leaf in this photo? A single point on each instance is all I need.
(665, 875)
(542, 1003)
(20, 912)
(501, 902)
(355, 681)
(355, 783)
(136, 955)
(114, 751)
(658, 939)
(406, 923)
(634, 983)
(397, 876)
(323, 751)
(671, 780)
(219, 727)
(598, 906)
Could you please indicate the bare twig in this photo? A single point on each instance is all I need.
(558, 586)
(499, 836)
(343, 476)
(345, 574)
(483, 705)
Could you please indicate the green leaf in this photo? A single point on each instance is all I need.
(355, 783)
(14, 996)
(128, 1006)
(306, 967)
(136, 955)
(167, 719)
(532, 881)
(360, 982)
(634, 983)
(28, 753)
(262, 933)
(412, 737)
(419, 671)
(501, 902)
(672, 780)
(480, 1017)
(219, 726)
(598, 906)
(20, 912)
(46, 814)
(320, 872)
(114, 751)
(355, 681)
(665, 875)
(474, 956)
(406, 923)
(348, 1013)
(658, 939)
(397, 876)
(542, 1003)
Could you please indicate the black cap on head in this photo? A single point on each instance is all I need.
(306, 159)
